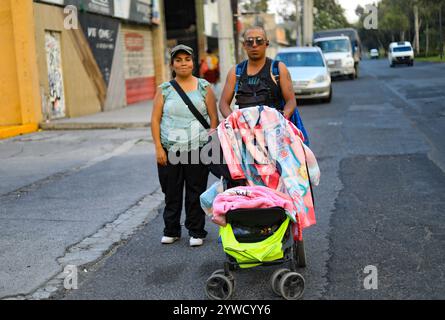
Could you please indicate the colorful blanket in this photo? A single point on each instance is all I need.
(260, 145)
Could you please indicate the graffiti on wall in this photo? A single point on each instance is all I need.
(55, 76)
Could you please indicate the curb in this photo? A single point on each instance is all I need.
(92, 125)
(12, 131)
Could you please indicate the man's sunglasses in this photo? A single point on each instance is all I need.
(251, 41)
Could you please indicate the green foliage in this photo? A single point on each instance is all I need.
(329, 15)
(396, 23)
(257, 6)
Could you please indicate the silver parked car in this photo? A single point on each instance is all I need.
(309, 72)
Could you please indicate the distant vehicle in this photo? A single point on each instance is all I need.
(338, 54)
(308, 69)
(374, 53)
(352, 33)
(400, 53)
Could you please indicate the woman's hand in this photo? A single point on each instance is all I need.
(161, 156)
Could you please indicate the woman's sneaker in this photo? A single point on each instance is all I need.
(195, 242)
(168, 240)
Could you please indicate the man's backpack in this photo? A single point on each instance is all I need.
(295, 118)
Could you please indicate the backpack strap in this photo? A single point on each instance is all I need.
(240, 67)
(276, 71)
(276, 75)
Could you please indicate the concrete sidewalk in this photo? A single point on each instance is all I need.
(133, 116)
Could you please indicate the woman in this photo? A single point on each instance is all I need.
(178, 137)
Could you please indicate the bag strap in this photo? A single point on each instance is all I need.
(240, 67)
(276, 74)
(189, 104)
(276, 71)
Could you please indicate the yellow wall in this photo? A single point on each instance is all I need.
(80, 93)
(19, 93)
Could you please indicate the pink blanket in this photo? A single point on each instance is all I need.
(248, 197)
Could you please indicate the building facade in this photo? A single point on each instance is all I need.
(71, 58)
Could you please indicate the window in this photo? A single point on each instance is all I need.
(401, 49)
(301, 59)
(341, 45)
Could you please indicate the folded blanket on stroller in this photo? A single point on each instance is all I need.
(260, 145)
(249, 198)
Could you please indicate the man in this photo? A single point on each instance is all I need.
(257, 85)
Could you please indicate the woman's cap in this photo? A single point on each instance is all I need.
(181, 47)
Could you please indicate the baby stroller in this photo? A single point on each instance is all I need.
(259, 236)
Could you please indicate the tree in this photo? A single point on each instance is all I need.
(257, 6)
(330, 15)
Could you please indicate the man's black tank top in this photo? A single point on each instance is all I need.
(259, 89)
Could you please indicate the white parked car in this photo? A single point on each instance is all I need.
(400, 53)
(374, 53)
(309, 72)
(338, 54)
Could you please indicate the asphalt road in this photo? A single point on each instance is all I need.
(380, 202)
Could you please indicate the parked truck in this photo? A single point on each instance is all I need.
(355, 48)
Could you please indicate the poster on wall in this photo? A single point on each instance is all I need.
(55, 76)
(140, 11)
(101, 33)
(105, 7)
(122, 9)
(138, 64)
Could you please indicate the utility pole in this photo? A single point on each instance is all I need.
(440, 32)
(308, 22)
(298, 21)
(416, 29)
(225, 39)
(200, 27)
(234, 4)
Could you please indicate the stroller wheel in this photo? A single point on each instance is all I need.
(292, 286)
(219, 271)
(275, 280)
(229, 276)
(219, 287)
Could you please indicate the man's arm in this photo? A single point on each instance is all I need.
(228, 93)
(211, 108)
(287, 90)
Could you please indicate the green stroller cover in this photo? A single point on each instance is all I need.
(270, 249)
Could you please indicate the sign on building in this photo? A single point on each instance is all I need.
(105, 7)
(101, 33)
(139, 71)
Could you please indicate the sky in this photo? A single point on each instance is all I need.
(350, 5)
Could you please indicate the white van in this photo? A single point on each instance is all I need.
(338, 54)
(400, 53)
